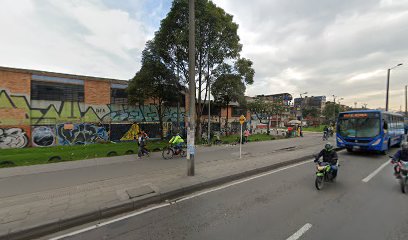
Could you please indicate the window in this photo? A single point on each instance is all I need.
(56, 91)
(119, 96)
(236, 112)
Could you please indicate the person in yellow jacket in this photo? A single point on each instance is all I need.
(177, 141)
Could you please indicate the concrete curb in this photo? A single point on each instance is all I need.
(131, 205)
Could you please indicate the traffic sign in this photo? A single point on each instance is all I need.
(242, 119)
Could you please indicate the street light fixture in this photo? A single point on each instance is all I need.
(388, 85)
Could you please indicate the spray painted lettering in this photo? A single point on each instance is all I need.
(13, 138)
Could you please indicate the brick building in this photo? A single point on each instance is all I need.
(40, 108)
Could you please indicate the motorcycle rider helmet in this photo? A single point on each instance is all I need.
(328, 147)
(404, 146)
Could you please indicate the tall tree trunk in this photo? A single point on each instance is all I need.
(199, 106)
(160, 113)
(226, 123)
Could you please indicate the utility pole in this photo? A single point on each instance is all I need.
(334, 108)
(355, 105)
(192, 86)
(209, 112)
(388, 89)
(406, 100)
(388, 85)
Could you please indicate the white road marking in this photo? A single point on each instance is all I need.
(369, 177)
(300, 232)
(109, 222)
(178, 200)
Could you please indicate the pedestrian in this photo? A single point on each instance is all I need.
(142, 144)
(301, 131)
(246, 134)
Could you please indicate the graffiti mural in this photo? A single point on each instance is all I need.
(80, 134)
(41, 122)
(13, 138)
(50, 113)
(147, 113)
(132, 133)
(43, 136)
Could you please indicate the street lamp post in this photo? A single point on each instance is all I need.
(406, 100)
(334, 108)
(192, 86)
(388, 85)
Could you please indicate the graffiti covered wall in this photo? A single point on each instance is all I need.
(14, 137)
(80, 134)
(43, 136)
(42, 123)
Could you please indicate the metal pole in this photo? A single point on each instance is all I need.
(240, 143)
(178, 115)
(192, 86)
(334, 108)
(406, 100)
(209, 112)
(388, 89)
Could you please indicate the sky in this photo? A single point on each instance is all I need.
(323, 47)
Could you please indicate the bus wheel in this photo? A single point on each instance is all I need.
(385, 152)
(349, 150)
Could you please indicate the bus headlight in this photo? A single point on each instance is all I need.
(339, 140)
(377, 142)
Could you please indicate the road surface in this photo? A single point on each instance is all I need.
(282, 204)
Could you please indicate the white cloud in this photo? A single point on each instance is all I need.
(325, 47)
(319, 46)
(81, 37)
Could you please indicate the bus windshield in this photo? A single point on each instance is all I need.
(362, 126)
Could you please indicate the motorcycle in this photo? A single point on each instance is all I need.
(325, 136)
(323, 174)
(403, 177)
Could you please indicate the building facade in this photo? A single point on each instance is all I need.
(40, 109)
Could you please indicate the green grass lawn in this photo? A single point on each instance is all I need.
(37, 155)
(252, 138)
(32, 156)
(314, 129)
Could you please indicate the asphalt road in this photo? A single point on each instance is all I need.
(277, 205)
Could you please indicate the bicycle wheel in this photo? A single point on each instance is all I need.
(168, 153)
(183, 152)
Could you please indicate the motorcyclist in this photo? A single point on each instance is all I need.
(325, 132)
(400, 155)
(177, 141)
(330, 157)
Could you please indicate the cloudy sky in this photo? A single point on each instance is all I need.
(323, 47)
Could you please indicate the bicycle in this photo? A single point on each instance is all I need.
(171, 151)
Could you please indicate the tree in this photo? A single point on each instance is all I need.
(217, 42)
(264, 110)
(331, 111)
(310, 112)
(154, 82)
(230, 83)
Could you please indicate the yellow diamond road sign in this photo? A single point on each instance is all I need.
(242, 119)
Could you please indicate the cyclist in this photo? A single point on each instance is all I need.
(177, 141)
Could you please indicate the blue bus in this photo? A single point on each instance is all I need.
(406, 125)
(369, 130)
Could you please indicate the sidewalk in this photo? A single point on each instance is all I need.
(37, 200)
